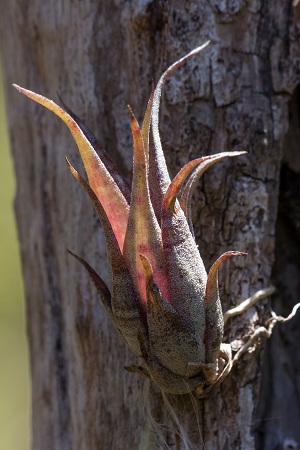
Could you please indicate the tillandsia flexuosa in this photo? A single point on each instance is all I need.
(162, 301)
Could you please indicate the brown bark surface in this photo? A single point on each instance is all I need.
(241, 91)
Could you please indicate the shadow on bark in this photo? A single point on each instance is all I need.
(277, 421)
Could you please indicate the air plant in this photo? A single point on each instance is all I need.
(162, 301)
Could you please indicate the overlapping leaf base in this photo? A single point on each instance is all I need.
(162, 300)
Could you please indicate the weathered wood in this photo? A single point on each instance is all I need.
(100, 56)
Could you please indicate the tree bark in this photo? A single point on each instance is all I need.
(241, 91)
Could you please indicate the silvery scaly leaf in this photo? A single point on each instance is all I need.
(162, 301)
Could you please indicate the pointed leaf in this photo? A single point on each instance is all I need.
(214, 323)
(124, 302)
(146, 127)
(179, 180)
(104, 186)
(158, 175)
(187, 275)
(143, 234)
(188, 190)
(102, 289)
(105, 158)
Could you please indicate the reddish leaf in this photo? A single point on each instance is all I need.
(143, 234)
(102, 183)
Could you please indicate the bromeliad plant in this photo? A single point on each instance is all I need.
(162, 300)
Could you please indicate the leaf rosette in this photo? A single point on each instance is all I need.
(162, 300)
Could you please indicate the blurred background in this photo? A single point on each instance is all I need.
(14, 364)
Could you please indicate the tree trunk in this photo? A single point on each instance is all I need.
(240, 91)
